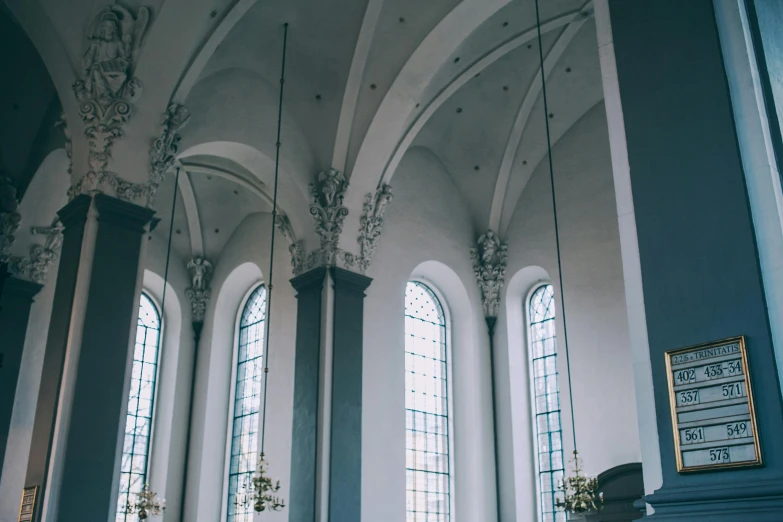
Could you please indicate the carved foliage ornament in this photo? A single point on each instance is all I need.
(10, 219)
(328, 213)
(199, 292)
(489, 266)
(42, 257)
(164, 149)
(107, 92)
(371, 224)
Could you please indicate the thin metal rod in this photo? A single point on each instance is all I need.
(168, 248)
(554, 212)
(272, 241)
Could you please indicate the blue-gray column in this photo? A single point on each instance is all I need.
(92, 446)
(345, 460)
(304, 443)
(700, 269)
(15, 302)
(73, 217)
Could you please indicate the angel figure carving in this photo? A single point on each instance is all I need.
(115, 37)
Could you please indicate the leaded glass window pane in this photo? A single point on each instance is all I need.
(546, 400)
(138, 422)
(428, 481)
(247, 404)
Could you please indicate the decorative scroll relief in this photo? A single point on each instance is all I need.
(35, 266)
(106, 94)
(489, 266)
(371, 224)
(711, 400)
(10, 218)
(164, 149)
(199, 292)
(328, 213)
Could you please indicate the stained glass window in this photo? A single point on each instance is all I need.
(426, 407)
(247, 404)
(549, 436)
(138, 423)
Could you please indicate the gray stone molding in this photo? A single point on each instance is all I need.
(489, 265)
(371, 224)
(106, 94)
(199, 293)
(163, 150)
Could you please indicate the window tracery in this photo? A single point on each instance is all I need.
(546, 400)
(428, 438)
(247, 402)
(138, 423)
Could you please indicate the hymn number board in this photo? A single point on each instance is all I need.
(712, 406)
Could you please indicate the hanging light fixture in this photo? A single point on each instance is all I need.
(146, 502)
(261, 491)
(577, 493)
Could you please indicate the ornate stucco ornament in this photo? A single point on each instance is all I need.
(10, 218)
(489, 265)
(328, 212)
(371, 224)
(199, 292)
(295, 248)
(164, 149)
(106, 94)
(62, 122)
(35, 266)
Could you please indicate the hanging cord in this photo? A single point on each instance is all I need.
(554, 211)
(168, 248)
(272, 242)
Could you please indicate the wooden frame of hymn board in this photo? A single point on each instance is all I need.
(711, 402)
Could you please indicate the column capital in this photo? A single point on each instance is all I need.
(310, 281)
(349, 282)
(75, 212)
(15, 287)
(121, 213)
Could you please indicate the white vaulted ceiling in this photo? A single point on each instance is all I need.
(481, 108)
(365, 81)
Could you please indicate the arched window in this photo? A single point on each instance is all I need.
(138, 423)
(546, 396)
(427, 407)
(247, 403)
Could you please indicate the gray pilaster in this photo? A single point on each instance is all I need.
(699, 263)
(90, 460)
(345, 477)
(15, 302)
(97, 422)
(73, 217)
(304, 444)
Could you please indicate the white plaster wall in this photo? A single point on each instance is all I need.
(601, 365)
(240, 267)
(43, 198)
(167, 453)
(427, 222)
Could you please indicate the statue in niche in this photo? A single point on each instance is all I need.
(115, 37)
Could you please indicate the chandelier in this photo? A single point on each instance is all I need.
(146, 504)
(263, 490)
(578, 493)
